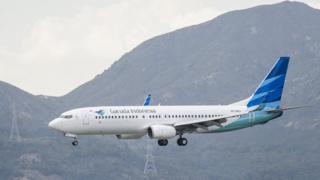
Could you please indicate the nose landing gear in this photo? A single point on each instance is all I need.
(75, 142)
(74, 136)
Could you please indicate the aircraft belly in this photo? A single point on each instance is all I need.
(123, 127)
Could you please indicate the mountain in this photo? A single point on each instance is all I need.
(202, 63)
(23, 108)
(216, 62)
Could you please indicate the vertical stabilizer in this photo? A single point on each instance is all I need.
(269, 92)
(147, 101)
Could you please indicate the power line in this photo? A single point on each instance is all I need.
(150, 169)
(14, 133)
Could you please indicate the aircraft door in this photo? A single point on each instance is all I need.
(85, 120)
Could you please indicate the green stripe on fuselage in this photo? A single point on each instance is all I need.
(248, 120)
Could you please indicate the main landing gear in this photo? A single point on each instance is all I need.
(163, 142)
(182, 141)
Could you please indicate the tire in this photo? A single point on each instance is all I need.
(163, 142)
(75, 143)
(182, 141)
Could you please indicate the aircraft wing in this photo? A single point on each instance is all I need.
(204, 123)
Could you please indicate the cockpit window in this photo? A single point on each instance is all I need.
(66, 116)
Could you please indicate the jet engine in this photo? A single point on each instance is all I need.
(161, 131)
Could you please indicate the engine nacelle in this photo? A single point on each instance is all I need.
(129, 136)
(161, 132)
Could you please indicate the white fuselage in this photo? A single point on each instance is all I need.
(136, 119)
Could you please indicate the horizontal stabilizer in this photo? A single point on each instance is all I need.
(287, 108)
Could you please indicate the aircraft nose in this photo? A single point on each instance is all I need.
(55, 124)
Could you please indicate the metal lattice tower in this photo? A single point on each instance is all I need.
(150, 169)
(14, 134)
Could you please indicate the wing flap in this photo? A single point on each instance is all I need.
(207, 122)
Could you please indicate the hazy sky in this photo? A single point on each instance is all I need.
(52, 46)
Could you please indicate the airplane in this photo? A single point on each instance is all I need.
(165, 122)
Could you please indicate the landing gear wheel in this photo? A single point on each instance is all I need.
(182, 141)
(75, 143)
(163, 142)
